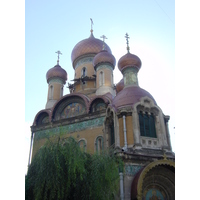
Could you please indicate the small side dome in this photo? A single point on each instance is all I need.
(56, 71)
(120, 86)
(104, 57)
(129, 60)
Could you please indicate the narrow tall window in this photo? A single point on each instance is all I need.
(82, 145)
(84, 72)
(147, 125)
(101, 78)
(99, 144)
(51, 92)
(61, 91)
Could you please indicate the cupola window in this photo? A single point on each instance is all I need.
(147, 125)
(101, 78)
(84, 71)
(51, 92)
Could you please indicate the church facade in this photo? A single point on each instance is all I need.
(101, 115)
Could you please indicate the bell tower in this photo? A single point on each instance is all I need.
(56, 79)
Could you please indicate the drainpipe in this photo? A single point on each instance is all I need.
(31, 148)
(125, 139)
(121, 186)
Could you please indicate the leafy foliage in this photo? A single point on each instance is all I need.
(62, 171)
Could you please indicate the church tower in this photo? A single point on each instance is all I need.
(104, 64)
(82, 60)
(56, 79)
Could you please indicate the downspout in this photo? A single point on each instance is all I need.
(31, 148)
(125, 139)
(121, 186)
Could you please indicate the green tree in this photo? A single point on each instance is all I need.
(62, 171)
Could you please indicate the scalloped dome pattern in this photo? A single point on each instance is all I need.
(129, 60)
(56, 71)
(104, 57)
(90, 45)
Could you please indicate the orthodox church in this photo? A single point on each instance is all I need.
(101, 115)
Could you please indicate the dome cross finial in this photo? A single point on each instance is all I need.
(59, 53)
(91, 25)
(104, 37)
(127, 42)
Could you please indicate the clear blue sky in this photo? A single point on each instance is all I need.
(60, 25)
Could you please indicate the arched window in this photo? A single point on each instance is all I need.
(84, 71)
(101, 78)
(147, 125)
(51, 92)
(82, 145)
(99, 144)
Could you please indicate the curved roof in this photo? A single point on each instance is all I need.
(104, 57)
(42, 113)
(90, 45)
(129, 60)
(129, 96)
(56, 71)
(84, 98)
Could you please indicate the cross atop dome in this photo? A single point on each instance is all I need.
(59, 53)
(91, 24)
(127, 42)
(104, 37)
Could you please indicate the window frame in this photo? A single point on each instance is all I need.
(147, 125)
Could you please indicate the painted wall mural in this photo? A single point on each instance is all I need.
(154, 194)
(100, 106)
(45, 120)
(72, 110)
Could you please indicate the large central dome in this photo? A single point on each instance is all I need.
(90, 45)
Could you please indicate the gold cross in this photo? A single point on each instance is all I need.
(127, 42)
(91, 24)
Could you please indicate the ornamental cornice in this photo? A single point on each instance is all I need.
(57, 80)
(84, 60)
(102, 67)
(125, 110)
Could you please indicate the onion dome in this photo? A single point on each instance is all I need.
(104, 57)
(90, 45)
(129, 60)
(129, 96)
(120, 86)
(56, 71)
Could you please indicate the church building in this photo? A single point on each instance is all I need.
(101, 115)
